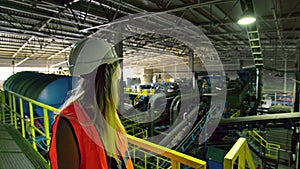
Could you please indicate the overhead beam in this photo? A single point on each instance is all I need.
(242, 32)
(190, 6)
(157, 12)
(23, 46)
(59, 52)
(266, 18)
(37, 34)
(54, 12)
(28, 41)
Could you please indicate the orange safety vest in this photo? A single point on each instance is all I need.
(92, 156)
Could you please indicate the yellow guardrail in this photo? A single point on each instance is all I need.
(137, 132)
(241, 151)
(138, 94)
(137, 145)
(236, 114)
(267, 149)
(136, 117)
(143, 92)
(162, 154)
(29, 121)
(175, 158)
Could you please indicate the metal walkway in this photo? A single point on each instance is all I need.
(16, 152)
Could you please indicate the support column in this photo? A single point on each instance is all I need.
(192, 67)
(297, 84)
(285, 72)
(258, 83)
(296, 147)
(147, 75)
(296, 137)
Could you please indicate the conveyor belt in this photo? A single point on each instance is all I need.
(16, 152)
(269, 120)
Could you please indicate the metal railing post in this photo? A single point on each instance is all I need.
(175, 164)
(3, 109)
(239, 150)
(145, 159)
(242, 158)
(46, 126)
(260, 146)
(10, 108)
(2, 116)
(15, 111)
(32, 130)
(22, 117)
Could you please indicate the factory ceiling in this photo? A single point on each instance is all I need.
(38, 33)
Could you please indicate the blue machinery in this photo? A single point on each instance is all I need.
(45, 88)
(27, 93)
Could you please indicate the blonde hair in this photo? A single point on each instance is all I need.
(106, 92)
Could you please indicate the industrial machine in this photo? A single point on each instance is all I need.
(49, 89)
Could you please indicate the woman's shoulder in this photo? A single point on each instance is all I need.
(71, 110)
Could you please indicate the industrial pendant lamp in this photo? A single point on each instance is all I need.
(248, 14)
(246, 19)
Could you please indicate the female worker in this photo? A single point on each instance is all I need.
(88, 133)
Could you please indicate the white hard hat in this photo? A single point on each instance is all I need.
(87, 54)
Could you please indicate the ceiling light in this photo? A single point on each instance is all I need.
(247, 19)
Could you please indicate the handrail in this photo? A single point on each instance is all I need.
(143, 92)
(239, 150)
(266, 148)
(50, 108)
(12, 98)
(137, 132)
(176, 157)
(236, 114)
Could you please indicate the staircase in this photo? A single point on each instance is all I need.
(252, 145)
(282, 137)
(270, 163)
(267, 152)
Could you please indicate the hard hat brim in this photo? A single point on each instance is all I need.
(88, 54)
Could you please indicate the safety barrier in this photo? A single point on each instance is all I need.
(132, 125)
(241, 151)
(135, 117)
(136, 95)
(165, 155)
(143, 92)
(28, 123)
(236, 114)
(265, 148)
(160, 154)
(137, 132)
